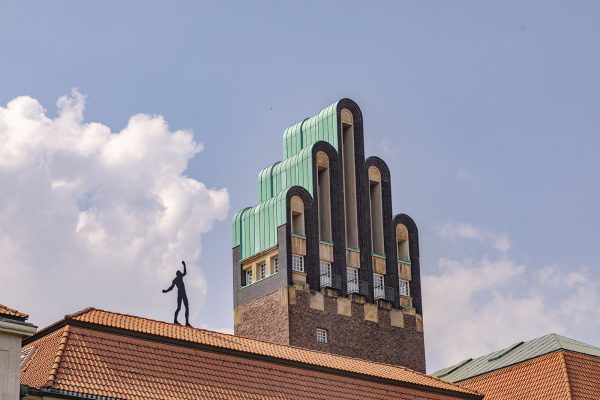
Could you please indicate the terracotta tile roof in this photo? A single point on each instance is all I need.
(45, 352)
(557, 375)
(584, 375)
(12, 314)
(116, 355)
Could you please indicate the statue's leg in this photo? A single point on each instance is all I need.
(179, 298)
(187, 310)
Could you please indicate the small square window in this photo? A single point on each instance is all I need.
(404, 288)
(248, 276)
(321, 335)
(297, 263)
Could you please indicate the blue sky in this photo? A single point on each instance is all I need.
(486, 113)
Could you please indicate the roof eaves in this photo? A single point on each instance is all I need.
(62, 394)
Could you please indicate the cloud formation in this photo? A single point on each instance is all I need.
(90, 217)
(473, 307)
(467, 231)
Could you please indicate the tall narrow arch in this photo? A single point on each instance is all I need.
(402, 243)
(347, 150)
(301, 214)
(297, 221)
(376, 211)
(324, 197)
(413, 256)
(322, 149)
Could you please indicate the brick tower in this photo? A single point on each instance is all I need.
(320, 262)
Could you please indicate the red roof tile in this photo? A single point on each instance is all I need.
(109, 354)
(556, 375)
(584, 375)
(11, 313)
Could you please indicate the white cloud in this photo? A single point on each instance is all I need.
(476, 307)
(90, 217)
(463, 174)
(500, 242)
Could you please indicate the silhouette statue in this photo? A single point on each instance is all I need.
(181, 295)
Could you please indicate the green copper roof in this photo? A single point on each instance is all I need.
(322, 126)
(254, 229)
(513, 354)
(294, 171)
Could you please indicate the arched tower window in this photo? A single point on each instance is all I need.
(402, 242)
(324, 196)
(376, 205)
(348, 164)
(297, 216)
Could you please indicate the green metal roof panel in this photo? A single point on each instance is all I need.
(513, 354)
(254, 229)
(295, 171)
(322, 126)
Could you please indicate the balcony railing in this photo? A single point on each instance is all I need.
(331, 280)
(359, 287)
(384, 293)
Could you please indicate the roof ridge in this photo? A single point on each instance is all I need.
(56, 325)
(57, 359)
(556, 339)
(565, 371)
(80, 312)
(259, 341)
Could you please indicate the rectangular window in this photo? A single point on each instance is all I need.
(248, 276)
(404, 288)
(274, 265)
(321, 335)
(297, 263)
(262, 271)
(352, 280)
(378, 286)
(325, 273)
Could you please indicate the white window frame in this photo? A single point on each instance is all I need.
(378, 286)
(297, 263)
(321, 335)
(249, 280)
(262, 270)
(325, 268)
(352, 283)
(404, 287)
(274, 265)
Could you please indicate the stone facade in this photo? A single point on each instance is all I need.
(265, 318)
(358, 329)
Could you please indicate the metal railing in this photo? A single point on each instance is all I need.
(359, 287)
(384, 293)
(331, 280)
